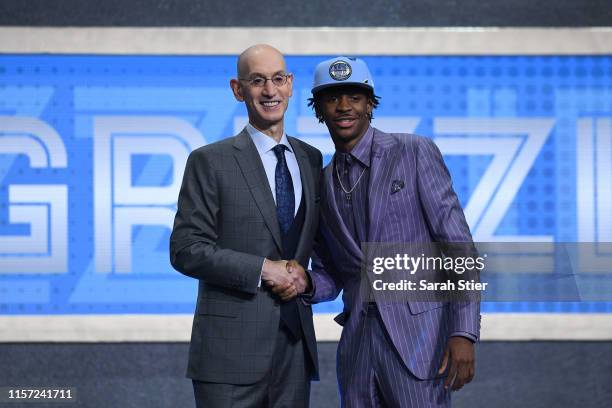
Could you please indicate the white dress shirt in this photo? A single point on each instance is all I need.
(264, 145)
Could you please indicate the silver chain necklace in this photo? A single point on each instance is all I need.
(347, 193)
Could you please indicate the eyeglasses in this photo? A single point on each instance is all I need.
(260, 81)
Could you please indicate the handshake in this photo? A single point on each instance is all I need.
(287, 279)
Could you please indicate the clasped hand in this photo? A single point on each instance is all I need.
(287, 279)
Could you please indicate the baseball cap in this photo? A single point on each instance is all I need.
(342, 71)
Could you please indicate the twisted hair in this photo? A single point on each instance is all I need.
(314, 104)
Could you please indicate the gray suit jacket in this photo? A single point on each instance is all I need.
(425, 210)
(224, 227)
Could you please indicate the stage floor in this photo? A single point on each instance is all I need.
(508, 374)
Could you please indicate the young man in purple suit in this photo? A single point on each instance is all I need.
(385, 188)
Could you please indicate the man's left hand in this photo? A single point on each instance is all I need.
(460, 352)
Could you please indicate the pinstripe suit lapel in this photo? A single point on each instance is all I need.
(253, 172)
(335, 223)
(384, 156)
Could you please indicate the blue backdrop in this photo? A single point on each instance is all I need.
(92, 150)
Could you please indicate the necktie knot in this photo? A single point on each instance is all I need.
(279, 151)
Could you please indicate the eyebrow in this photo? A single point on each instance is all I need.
(252, 74)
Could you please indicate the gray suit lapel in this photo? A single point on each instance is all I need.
(308, 188)
(384, 156)
(253, 172)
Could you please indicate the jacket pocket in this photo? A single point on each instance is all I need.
(421, 307)
(212, 308)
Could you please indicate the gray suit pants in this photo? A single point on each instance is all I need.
(286, 385)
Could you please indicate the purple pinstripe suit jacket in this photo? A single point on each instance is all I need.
(425, 210)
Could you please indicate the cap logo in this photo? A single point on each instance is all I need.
(340, 70)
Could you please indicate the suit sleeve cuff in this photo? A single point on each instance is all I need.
(467, 335)
(307, 296)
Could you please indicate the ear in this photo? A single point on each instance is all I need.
(237, 90)
(290, 84)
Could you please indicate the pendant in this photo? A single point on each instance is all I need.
(348, 196)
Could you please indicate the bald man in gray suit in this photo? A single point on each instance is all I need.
(247, 205)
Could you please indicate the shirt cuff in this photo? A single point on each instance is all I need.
(261, 272)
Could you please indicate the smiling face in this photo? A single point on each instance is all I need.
(346, 111)
(265, 105)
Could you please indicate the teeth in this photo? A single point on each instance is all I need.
(271, 103)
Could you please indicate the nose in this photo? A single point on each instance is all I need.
(269, 88)
(343, 104)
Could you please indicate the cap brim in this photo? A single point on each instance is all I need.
(341, 84)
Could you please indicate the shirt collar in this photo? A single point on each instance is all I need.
(264, 143)
(363, 149)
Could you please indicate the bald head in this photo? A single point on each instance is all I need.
(257, 53)
(264, 85)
